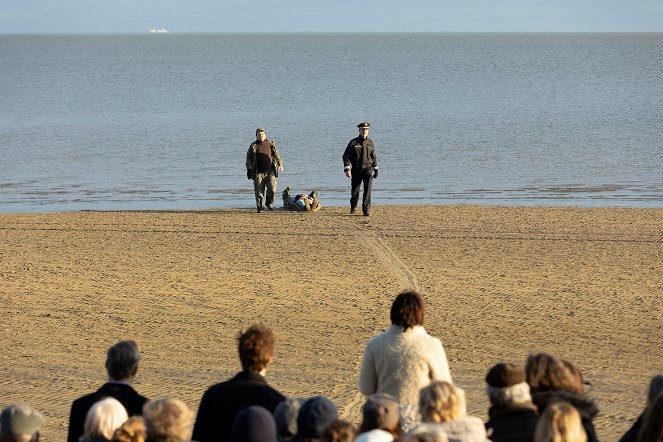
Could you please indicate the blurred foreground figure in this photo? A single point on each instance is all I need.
(20, 423)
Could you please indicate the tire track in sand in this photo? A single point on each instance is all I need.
(386, 255)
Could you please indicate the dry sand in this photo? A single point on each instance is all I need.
(583, 284)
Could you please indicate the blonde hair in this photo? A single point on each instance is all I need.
(441, 402)
(132, 430)
(560, 422)
(167, 419)
(103, 418)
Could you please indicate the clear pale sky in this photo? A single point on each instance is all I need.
(111, 16)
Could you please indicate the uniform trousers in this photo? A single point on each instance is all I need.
(359, 176)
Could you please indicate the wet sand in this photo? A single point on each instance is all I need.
(583, 284)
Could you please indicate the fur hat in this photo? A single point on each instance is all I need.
(505, 375)
(19, 419)
(375, 436)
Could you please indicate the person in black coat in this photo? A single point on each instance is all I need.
(360, 164)
(222, 402)
(512, 414)
(655, 388)
(555, 380)
(122, 366)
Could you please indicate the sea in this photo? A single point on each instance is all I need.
(163, 121)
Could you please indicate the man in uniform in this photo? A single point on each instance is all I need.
(361, 165)
(263, 164)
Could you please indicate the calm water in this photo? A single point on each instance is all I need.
(164, 121)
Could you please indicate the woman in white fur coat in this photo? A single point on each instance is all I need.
(404, 359)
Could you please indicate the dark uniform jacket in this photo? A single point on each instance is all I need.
(222, 402)
(124, 393)
(360, 154)
(511, 424)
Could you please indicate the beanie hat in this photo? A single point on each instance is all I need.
(253, 424)
(381, 411)
(314, 417)
(505, 375)
(285, 415)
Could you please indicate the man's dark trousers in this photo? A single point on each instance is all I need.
(359, 176)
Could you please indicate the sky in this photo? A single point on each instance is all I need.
(138, 16)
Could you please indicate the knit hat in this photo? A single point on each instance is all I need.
(314, 417)
(285, 415)
(253, 424)
(375, 436)
(381, 411)
(505, 375)
(19, 419)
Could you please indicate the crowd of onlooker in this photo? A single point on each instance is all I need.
(404, 375)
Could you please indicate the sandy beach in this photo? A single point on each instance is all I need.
(582, 284)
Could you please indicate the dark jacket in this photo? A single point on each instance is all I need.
(632, 434)
(222, 402)
(360, 154)
(583, 404)
(124, 393)
(511, 424)
(252, 158)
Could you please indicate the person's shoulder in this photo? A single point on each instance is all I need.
(386, 335)
(220, 386)
(85, 400)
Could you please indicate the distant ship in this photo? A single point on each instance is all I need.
(159, 31)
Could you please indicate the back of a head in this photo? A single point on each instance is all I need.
(560, 422)
(314, 417)
(426, 433)
(122, 360)
(340, 431)
(167, 419)
(408, 310)
(285, 415)
(133, 430)
(103, 418)
(381, 411)
(20, 422)
(441, 401)
(256, 348)
(253, 424)
(548, 373)
(507, 387)
(652, 425)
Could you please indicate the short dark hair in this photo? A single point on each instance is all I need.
(408, 309)
(256, 347)
(122, 360)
